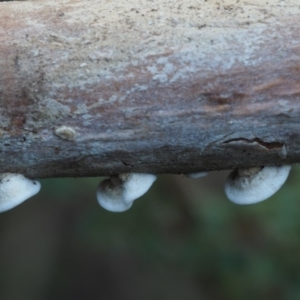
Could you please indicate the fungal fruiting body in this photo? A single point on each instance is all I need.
(196, 175)
(15, 189)
(252, 185)
(66, 133)
(117, 193)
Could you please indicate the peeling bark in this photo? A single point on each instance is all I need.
(90, 88)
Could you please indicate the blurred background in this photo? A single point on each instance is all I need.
(182, 240)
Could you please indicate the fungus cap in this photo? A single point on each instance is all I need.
(252, 185)
(110, 195)
(117, 193)
(15, 189)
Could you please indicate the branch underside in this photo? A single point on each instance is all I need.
(90, 89)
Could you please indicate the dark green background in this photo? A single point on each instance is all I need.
(182, 240)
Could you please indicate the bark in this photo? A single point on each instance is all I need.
(91, 88)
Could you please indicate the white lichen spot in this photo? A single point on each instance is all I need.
(66, 133)
(141, 87)
(113, 98)
(55, 108)
(284, 103)
(81, 109)
(152, 69)
(35, 52)
(87, 123)
(162, 78)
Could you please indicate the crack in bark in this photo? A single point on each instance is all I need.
(267, 145)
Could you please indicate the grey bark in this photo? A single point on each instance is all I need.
(91, 88)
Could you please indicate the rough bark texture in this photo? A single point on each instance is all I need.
(148, 86)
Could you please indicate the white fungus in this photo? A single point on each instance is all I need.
(117, 193)
(66, 133)
(15, 189)
(252, 185)
(196, 175)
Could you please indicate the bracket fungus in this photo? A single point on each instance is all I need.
(15, 189)
(252, 185)
(117, 193)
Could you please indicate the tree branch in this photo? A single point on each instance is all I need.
(148, 86)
